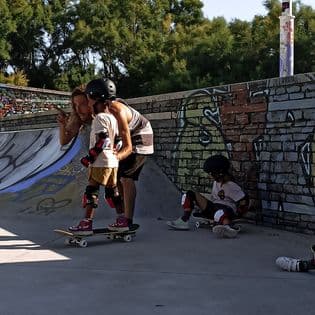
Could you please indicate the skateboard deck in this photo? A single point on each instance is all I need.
(76, 239)
(201, 222)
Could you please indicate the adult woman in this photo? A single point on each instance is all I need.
(81, 115)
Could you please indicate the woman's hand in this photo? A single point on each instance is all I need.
(62, 117)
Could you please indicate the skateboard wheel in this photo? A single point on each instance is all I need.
(197, 225)
(83, 243)
(68, 241)
(73, 241)
(127, 238)
(111, 237)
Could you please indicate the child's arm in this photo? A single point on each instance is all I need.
(100, 144)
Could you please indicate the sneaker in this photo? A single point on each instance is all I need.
(225, 231)
(121, 225)
(178, 224)
(288, 264)
(83, 228)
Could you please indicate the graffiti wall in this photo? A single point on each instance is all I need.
(38, 176)
(266, 129)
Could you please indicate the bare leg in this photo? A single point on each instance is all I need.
(89, 210)
(129, 195)
(90, 202)
(193, 198)
(201, 201)
(120, 207)
(189, 200)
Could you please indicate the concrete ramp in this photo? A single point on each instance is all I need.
(28, 156)
(162, 271)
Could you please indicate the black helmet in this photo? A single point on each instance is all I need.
(101, 89)
(216, 164)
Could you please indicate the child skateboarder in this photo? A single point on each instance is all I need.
(136, 135)
(102, 162)
(227, 200)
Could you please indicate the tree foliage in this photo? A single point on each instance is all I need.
(7, 27)
(146, 46)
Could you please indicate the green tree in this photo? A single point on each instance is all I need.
(265, 43)
(146, 46)
(31, 19)
(304, 46)
(7, 26)
(243, 54)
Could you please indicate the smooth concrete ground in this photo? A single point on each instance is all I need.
(161, 272)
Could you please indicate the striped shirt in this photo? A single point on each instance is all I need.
(141, 132)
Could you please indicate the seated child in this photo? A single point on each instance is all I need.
(227, 200)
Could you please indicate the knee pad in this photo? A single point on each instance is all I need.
(112, 197)
(188, 200)
(219, 216)
(90, 196)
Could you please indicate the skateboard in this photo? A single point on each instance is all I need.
(201, 222)
(75, 239)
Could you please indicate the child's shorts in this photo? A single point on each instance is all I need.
(217, 209)
(106, 176)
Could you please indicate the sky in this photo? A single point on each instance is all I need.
(241, 9)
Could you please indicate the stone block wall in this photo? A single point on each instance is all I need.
(266, 128)
(25, 108)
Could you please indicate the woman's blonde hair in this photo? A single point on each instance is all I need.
(74, 121)
(79, 90)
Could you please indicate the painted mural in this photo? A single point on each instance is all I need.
(37, 175)
(267, 131)
(266, 128)
(285, 151)
(200, 135)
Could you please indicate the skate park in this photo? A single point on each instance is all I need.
(160, 271)
(227, 78)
